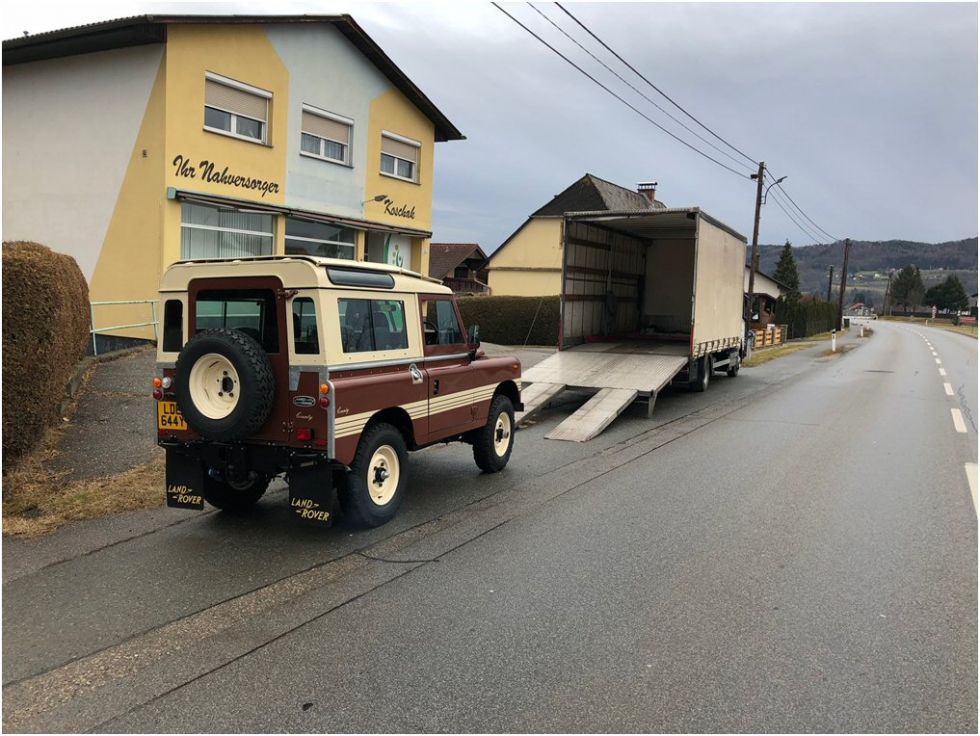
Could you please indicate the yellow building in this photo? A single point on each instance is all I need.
(135, 143)
(529, 262)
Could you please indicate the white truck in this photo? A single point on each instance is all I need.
(648, 298)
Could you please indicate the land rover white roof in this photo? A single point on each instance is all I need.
(301, 272)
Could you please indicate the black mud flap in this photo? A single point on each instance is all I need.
(185, 481)
(312, 496)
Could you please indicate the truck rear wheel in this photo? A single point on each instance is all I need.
(705, 366)
(494, 441)
(372, 491)
(231, 496)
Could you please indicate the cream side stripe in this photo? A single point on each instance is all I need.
(355, 423)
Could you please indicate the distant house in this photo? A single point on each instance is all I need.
(767, 291)
(529, 262)
(460, 266)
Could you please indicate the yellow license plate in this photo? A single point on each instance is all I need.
(169, 416)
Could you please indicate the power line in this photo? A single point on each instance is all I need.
(628, 84)
(660, 91)
(780, 187)
(625, 102)
(794, 219)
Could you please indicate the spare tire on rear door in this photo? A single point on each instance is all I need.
(224, 384)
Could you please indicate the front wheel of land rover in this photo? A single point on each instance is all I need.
(373, 489)
(232, 496)
(494, 441)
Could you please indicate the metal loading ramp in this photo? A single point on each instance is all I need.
(621, 372)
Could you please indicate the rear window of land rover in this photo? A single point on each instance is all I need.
(355, 277)
(252, 311)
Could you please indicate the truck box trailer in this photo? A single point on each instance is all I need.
(648, 298)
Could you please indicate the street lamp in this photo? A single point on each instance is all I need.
(766, 195)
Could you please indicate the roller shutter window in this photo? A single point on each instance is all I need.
(399, 159)
(325, 137)
(235, 111)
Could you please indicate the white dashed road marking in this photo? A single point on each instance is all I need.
(971, 478)
(938, 361)
(948, 387)
(942, 371)
(958, 424)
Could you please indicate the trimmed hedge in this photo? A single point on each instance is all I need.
(806, 316)
(513, 320)
(45, 333)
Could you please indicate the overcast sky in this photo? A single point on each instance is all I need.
(869, 109)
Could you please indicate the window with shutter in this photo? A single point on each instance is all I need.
(325, 135)
(236, 109)
(399, 157)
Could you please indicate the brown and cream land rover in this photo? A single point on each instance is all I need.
(327, 371)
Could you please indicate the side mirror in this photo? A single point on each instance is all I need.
(473, 338)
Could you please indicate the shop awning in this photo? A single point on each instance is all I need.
(247, 205)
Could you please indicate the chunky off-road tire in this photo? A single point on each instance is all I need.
(371, 492)
(234, 497)
(734, 363)
(224, 384)
(706, 366)
(494, 441)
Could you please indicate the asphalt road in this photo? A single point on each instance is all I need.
(794, 550)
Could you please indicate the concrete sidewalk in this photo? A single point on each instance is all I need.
(113, 426)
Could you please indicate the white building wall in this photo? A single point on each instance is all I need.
(328, 72)
(69, 126)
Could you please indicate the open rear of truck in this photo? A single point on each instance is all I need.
(647, 298)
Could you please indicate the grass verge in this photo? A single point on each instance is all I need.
(37, 500)
(764, 355)
(968, 330)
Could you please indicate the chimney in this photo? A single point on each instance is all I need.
(648, 189)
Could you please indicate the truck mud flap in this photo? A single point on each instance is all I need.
(312, 496)
(184, 481)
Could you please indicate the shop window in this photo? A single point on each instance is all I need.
(399, 157)
(213, 232)
(369, 325)
(252, 311)
(307, 238)
(440, 323)
(306, 339)
(236, 109)
(325, 135)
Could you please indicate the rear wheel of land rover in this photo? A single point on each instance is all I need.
(234, 496)
(373, 489)
(494, 442)
(224, 384)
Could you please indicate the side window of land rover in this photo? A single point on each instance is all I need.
(369, 325)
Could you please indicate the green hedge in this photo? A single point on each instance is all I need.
(45, 333)
(806, 316)
(513, 320)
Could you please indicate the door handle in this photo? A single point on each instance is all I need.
(435, 387)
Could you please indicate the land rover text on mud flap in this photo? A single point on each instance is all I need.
(327, 371)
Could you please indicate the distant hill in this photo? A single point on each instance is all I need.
(870, 262)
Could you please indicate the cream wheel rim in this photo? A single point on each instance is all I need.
(383, 474)
(501, 434)
(214, 386)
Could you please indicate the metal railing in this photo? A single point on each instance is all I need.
(154, 322)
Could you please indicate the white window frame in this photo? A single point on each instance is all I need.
(415, 164)
(249, 89)
(348, 156)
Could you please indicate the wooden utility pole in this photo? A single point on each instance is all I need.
(843, 285)
(830, 284)
(754, 260)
